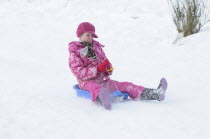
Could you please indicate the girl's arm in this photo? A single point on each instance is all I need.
(77, 67)
(108, 73)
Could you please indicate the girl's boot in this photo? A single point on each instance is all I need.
(155, 94)
(104, 97)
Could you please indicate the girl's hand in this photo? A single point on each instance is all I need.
(105, 66)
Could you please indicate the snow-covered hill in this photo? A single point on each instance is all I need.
(36, 95)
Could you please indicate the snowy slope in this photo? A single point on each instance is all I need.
(36, 95)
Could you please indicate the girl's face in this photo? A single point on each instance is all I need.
(87, 37)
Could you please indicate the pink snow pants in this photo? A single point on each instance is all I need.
(125, 87)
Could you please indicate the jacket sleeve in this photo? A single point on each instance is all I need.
(108, 73)
(77, 67)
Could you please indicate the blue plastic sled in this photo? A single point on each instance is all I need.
(86, 94)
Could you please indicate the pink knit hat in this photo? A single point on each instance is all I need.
(86, 27)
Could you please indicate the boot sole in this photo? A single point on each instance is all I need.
(164, 86)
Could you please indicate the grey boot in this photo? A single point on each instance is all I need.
(155, 94)
(149, 94)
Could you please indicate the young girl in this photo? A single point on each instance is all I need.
(92, 69)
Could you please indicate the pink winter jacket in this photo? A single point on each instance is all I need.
(85, 69)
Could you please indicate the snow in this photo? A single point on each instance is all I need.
(36, 95)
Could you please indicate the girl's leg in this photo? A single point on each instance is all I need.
(104, 90)
(97, 90)
(138, 92)
(133, 90)
(94, 89)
